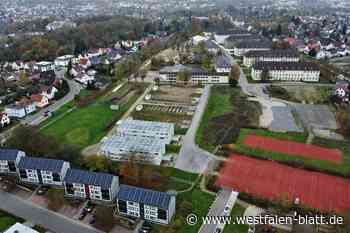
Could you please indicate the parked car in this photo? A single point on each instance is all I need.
(226, 209)
(42, 190)
(82, 214)
(92, 220)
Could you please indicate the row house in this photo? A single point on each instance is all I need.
(44, 66)
(122, 148)
(243, 47)
(48, 91)
(153, 206)
(148, 129)
(91, 185)
(21, 108)
(277, 55)
(169, 74)
(4, 119)
(286, 71)
(9, 160)
(63, 61)
(42, 171)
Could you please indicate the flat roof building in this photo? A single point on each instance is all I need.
(121, 148)
(148, 129)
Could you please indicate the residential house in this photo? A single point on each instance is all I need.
(20, 228)
(91, 185)
(223, 64)
(286, 71)
(21, 108)
(9, 159)
(154, 206)
(4, 119)
(276, 55)
(42, 171)
(212, 47)
(44, 66)
(48, 91)
(40, 101)
(63, 61)
(147, 129)
(122, 148)
(342, 90)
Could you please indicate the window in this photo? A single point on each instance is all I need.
(162, 214)
(56, 177)
(23, 174)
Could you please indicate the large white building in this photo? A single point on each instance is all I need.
(9, 159)
(63, 61)
(169, 74)
(286, 71)
(243, 47)
(91, 185)
(42, 171)
(277, 55)
(158, 207)
(147, 129)
(44, 66)
(121, 148)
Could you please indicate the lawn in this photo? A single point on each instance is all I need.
(7, 220)
(194, 201)
(298, 161)
(222, 120)
(237, 211)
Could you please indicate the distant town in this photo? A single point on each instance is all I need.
(174, 116)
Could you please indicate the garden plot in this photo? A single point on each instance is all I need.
(170, 108)
(183, 95)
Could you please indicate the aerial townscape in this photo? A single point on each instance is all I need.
(177, 116)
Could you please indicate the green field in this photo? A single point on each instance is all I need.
(227, 111)
(294, 160)
(194, 201)
(237, 211)
(7, 220)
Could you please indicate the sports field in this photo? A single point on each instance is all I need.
(271, 180)
(294, 148)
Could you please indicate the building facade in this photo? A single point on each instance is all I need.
(154, 206)
(91, 185)
(122, 148)
(147, 129)
(241, 48)
(63, 61)
(286, 71)
(9, 160)
(44, 66)
(278, 55)
(169, 74)
(42, 171)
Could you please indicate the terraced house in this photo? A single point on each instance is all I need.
(277, 55)
(9, 159)
(154, 206)
(91, 185)
(42, 171)
(286, 71)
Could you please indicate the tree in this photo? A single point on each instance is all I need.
(69, 69)
(130, 171)
(265, 76)
(234, 75)
(184, 76)
(313, 52)
(279, 30)
(119, 71)
(97, 163)
(23, 78)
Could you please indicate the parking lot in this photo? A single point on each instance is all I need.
(316, 116)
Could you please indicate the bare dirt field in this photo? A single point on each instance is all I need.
(174, 94)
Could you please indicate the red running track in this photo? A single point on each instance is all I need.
(294, 148)
(270, 180)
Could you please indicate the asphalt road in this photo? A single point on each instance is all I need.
(40, 216)
(217, 209)
(74, 89)
(191, 158)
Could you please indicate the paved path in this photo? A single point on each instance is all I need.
(40, 216)
(223, 199)
(191, 158)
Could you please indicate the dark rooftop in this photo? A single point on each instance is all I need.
(41, 164)
(103, 180)
(8, 154)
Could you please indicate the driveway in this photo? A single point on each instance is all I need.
(191, 158)
(40, 216)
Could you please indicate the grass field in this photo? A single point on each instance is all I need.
(222, 120)
(298, 161)
(86, 125)
(237, 211)
(194, 201)
(7, 220)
